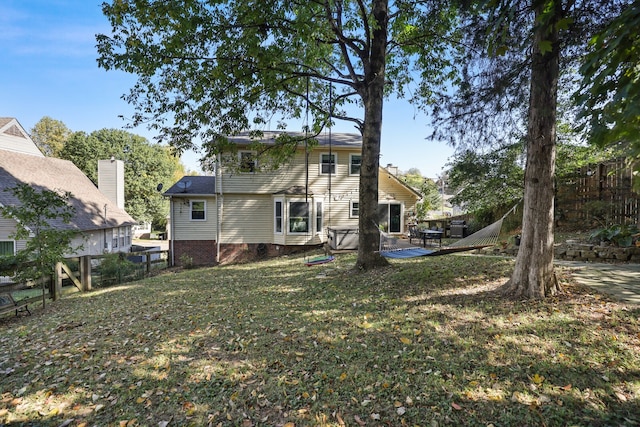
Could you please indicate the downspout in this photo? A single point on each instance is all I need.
(220, 203)
(172, 231)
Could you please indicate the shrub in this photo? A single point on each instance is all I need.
(618, 235)
(115, 268)
(186, 261)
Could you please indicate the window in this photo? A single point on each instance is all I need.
(127, 236)
(198, 210)
(247, 161)
(328, 163)
(277, 216)
(355, 161)
(298, 217)
(122, 237)
(319, 219)
(354, 209)
(114, 238)
(7, 247)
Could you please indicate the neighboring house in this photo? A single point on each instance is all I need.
(249, 213)
(102, 224)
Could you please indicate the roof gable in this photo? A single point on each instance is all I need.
(14, 138)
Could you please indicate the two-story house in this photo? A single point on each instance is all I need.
(244, 213)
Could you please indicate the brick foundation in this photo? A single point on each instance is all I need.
(203, 252)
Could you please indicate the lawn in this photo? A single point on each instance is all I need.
(425, 342)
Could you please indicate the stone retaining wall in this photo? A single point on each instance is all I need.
(577, 252)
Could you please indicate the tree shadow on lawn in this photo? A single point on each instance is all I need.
(275, 342)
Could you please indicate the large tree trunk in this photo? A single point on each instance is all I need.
(372, 94)
(534, 276)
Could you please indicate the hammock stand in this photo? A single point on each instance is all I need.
(488, 236)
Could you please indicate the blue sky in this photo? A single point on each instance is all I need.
(49, 68)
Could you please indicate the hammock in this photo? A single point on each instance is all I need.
(487, 236)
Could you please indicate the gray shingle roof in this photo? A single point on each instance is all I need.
(61, 175)
(193, 186)
(353, 140)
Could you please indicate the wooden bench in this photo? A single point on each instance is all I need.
(8, 304)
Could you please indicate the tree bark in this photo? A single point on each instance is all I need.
(372, 93)
(534, 276)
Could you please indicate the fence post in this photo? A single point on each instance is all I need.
(85, 273)
(57, 282)
(148, 259)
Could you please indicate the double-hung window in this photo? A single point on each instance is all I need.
(198, 210)
(319, 217)
(247, 161)
(354, 209)
(328, 163)
(278, 216)
(355, 162)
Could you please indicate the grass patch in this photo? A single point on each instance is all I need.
(424, 342)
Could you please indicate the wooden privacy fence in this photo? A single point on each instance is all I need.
(80, 274)
(597, 195)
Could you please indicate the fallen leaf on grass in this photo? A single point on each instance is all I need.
(455, 406)
(358, 420)
(537, 379)
(405, 340)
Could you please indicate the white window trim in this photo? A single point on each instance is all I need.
(253, 157)
(191, 202)
(335, 163)
(351, 202)
(283, 219)
(288, 218)
(351, 156)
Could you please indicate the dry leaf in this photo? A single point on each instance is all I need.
(537, 379)
(406, 340)
(358, 420)
(455, 406)
(343, 376)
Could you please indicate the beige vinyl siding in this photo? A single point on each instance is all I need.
(186, 229)
(247, 220)
(92, 242)
(292, 174)
(111, 180)
(389, 190)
